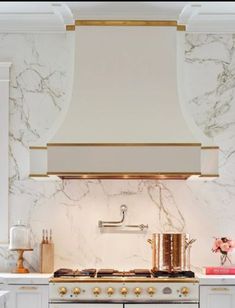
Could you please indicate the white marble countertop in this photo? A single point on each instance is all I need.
(216, 279)
(31, 278)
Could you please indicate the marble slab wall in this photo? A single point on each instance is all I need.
(40, 79)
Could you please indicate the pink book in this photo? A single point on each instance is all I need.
(219, 270)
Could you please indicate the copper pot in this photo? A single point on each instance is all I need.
(170, 251)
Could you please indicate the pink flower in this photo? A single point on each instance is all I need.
(232, 244)
(218, 242)
(225, 247)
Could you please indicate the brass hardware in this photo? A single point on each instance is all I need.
(37, 148)
(96, 291)
(28, 288)
(110, 291)
(151, 291)
(220, 289)
(127, 23)
(185, 291)
(124, 291)
(210, 148)
(137, 291)
(209, 176)
(62, 291)
(181, 28)
(38, 175)
(76, 291)
(70, 27)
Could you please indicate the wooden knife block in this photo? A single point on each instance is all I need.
(47, 258)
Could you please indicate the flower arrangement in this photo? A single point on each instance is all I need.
(224, 246)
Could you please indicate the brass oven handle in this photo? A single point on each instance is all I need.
(28, 288)
(220, 289)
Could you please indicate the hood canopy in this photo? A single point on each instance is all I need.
(125, 119)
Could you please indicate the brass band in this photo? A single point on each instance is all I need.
(126, 23)
(121, 23)
(123, 280)
(122, 144)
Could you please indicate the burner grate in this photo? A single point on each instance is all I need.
(65, 272)
(180, 274)
(116, 273)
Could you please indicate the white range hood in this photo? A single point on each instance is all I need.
(125, 118)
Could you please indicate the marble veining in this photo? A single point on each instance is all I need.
(38, 91)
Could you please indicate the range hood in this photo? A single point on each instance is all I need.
(126, 118)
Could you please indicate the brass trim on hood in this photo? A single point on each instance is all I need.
(120, 23)
(123, 144)
(37, 148)
(70, 27)
(209, 175)
(38, 175)
(210, 148)
(181, 28)
(125, 176)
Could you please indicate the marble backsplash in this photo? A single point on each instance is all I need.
(40, 79)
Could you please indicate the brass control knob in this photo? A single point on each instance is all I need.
(124, 291)
(151, 291)
(96, 291)
(62, 291)
(137, 291)
(110, 291)
(184, 291)
(76, 291)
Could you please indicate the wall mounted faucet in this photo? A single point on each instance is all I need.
(121, 223)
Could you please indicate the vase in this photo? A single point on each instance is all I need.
(225, 260)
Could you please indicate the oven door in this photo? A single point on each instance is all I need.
(75, 305)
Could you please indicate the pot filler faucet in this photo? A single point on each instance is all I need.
(121, 223)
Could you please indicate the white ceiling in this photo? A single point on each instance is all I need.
(54, 16)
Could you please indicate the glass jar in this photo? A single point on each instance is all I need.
(19, 236)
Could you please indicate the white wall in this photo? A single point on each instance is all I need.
(39, 82)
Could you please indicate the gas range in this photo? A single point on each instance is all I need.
(108, 286)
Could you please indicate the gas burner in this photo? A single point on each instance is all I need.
(181, 274)
(131, 273)
(66, 272)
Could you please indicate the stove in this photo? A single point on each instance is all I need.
(118, 289)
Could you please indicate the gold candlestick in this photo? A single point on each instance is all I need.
(20, 262)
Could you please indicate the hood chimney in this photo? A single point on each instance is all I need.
(125, 118)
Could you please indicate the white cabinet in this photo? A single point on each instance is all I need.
(4, 295)
(2, 302)
(28, 296)
(217, 296)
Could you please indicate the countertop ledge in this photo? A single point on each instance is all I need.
(43, 279)
(216, 279)
(31, 278)
(4, 293)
